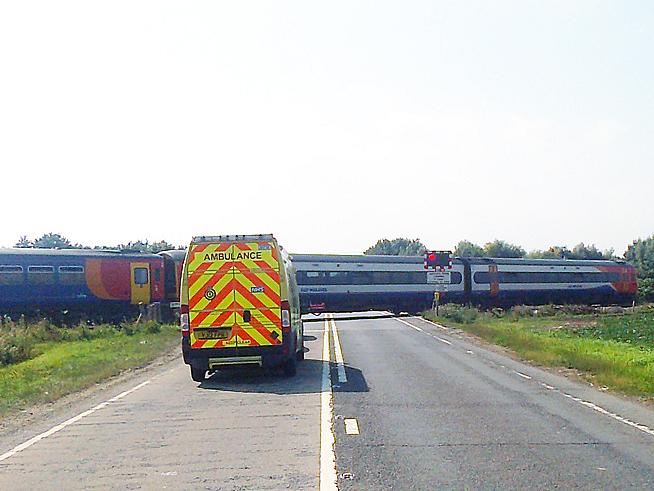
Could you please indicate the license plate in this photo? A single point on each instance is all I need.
(212, 333)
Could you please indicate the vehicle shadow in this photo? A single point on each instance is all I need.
(353, 316)
(308, 379)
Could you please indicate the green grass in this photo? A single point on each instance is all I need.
(59, 367)
(612, 350)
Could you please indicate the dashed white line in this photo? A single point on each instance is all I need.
(617, 417)
(594, 407)
(328, 477)
(408, 324)
(68, 422)
(434, 324)
(340, 365)
(445, 341)
(601, 410)
(351, 426)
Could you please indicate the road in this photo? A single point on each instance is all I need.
(387, 403)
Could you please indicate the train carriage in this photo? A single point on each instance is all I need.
(400, 283)
(506, 282)
(351, 283)
(98, 283)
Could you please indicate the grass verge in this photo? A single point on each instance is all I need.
(61, 367)
(615, 351)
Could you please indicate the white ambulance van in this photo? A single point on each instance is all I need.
(239, 305)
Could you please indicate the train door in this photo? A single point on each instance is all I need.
(140, 282)
(494, 280)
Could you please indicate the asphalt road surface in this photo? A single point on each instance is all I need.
(386, 404)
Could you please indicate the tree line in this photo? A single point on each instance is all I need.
(58, 241)
(640, 254)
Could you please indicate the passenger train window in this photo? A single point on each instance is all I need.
(141, 276)
(72, 275)
(532, 277)
(40, 275)
(370, 278)
(11, 275)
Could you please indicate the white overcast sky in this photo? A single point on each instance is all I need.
(330, 124)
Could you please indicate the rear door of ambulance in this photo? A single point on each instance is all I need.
(234, 294)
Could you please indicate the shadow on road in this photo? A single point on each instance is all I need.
(272, 381)
(352, 316)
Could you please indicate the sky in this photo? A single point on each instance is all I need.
(329, 124)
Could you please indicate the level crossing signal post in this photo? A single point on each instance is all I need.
(438, 265)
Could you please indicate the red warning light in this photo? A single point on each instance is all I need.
(438, 259)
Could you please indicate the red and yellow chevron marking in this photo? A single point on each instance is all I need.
(224, 280)
(265, 255)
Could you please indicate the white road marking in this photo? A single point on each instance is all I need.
(408, 324)
(617, 417)
(435, 324)
(601, 410)
(328, 477)
(68, 422)
(522, 375)
(342, 377)
(470, 352)
(351, 426)
(421, 330)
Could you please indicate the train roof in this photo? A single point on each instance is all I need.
(175, 254)
(347, 258)
(545, 262)
(106, 253)
(337, 258)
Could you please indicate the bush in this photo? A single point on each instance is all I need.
(458, 313)
(152, 327)
(15, 348)
(20, 341)
(645, 290)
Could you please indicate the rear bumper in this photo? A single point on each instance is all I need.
(208, 358)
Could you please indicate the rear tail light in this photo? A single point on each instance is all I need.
(286, 315)
(183, 320)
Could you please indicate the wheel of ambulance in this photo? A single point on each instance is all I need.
(197, 374)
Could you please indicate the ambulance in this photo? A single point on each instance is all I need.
(239, 305)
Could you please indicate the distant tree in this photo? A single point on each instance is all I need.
(397, 247)
(143, 246)
(23, 242)
(554, 252)
(465, 248)
(52, 241)
(162, 245)
(500, 248)
(641, 255)
(582, 251)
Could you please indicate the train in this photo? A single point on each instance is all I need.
(342, 283)
(107, 285)
(111, 285)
